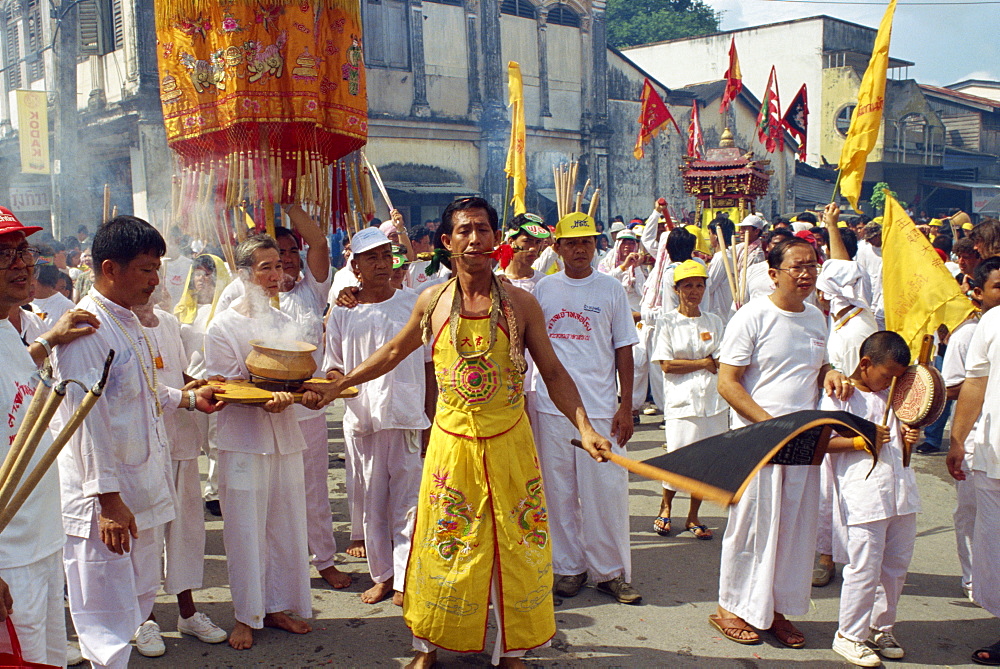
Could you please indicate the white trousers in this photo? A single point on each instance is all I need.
(424, 646)
(986, 544)
(647, 372)
(880, 553)
(211, 451)
(824, 528)
(965, 524)
(587, 503)
(263, 501)
(111, 595)
(184, 563)
(39, 618)
(354, 486)
(681, 432)
(319, 519)
(767, 549)
(391, 467)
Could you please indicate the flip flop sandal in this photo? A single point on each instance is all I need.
(729, 626)
(663, 531)
(783, 630)
(994, 655)
(700, 531)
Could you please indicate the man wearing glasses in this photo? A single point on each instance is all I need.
(31, 546)
(773, 361)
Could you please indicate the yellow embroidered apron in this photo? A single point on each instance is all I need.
(481, 505)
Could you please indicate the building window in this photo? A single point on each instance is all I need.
(35, 42)
(11, 47)
(843, 119)
(386, 34)
(563, 16)
(519, 8)
(102, 28)
(455, 3)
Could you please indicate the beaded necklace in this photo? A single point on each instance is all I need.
(151, 380)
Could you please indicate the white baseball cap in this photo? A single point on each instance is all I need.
(617, 226)
(367, 239)
(753, 221)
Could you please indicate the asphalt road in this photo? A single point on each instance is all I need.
(677, 575)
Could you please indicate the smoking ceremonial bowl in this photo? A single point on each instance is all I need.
(281, 360)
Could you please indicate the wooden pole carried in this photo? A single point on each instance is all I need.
(9, 510)
(106, 211)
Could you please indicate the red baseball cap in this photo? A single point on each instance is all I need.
(9, 223)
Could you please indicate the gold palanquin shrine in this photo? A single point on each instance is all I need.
(726, 180)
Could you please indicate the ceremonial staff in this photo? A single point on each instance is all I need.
(33, 427)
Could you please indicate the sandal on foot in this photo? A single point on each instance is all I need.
(663, 529)
(699, 531)
(783, 630)
(730, 627)
(994, 655)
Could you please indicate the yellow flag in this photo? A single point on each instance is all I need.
(33, 122)
(920, 292)
(867, 117)
(516, 167)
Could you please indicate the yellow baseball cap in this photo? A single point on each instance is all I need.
(967, 226)
(576, 224)
(935, 222)
(688, 269)
(841, 224)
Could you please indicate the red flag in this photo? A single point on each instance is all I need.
(696, 141)
(734, 79)
(796, 120)
(652, 118)
(769, 127)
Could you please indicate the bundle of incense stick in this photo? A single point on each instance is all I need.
(378, 180)
(564, 177)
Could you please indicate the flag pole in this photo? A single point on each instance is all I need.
(836, 186)
(506, 203)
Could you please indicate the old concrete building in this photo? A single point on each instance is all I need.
(101, 65)
(438, 126)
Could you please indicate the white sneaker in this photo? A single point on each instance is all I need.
(201, 626)
(887, 645)
(649, 409)
(967, 589)
(855, 652)
(148, 640)
(73, 654)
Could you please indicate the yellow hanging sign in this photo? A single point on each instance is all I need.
(33, 122)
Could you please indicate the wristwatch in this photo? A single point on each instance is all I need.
(191, 400)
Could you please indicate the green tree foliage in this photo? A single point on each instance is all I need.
(878, 196)
(632, 22)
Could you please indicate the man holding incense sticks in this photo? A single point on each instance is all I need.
(31, 545)
(115, 471)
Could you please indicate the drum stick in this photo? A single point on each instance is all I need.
(888, 402)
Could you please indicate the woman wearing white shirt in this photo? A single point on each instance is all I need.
(687, 344)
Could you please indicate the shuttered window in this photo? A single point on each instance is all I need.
(11, 47)
(386, 34)
(35, 41)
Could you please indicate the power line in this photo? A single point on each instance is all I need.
(882, 4)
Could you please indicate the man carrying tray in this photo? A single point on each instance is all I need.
(261, 477)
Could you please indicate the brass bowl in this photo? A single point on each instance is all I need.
(281, 360)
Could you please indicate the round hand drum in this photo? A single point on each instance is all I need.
(920, 396)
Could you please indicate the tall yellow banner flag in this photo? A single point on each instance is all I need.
(867, 117)
(33, 128)
(516, 167)
(920, 293)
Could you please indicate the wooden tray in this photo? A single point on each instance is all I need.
(238, 391)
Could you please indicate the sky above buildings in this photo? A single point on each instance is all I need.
(949, 40)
